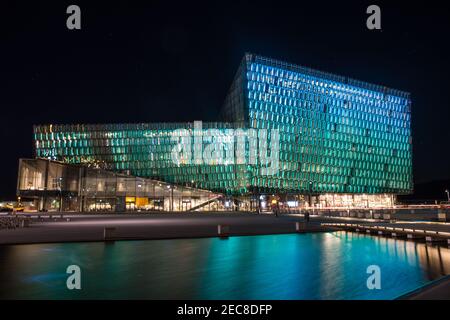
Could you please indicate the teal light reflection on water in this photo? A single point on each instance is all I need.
(290, 266)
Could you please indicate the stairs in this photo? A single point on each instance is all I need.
(201, 205)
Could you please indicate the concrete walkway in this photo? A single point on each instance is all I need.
(89, 227)
(421, 225)
(436, 290)
(152, 226)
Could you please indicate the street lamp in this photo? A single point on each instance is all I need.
(171, 200)
(60, 193)
(448, 196)
(306, 215)
(310, 192)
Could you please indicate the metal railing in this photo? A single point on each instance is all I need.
(13, 222)
(386, 228)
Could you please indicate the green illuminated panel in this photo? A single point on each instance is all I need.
(140, 149)
(337, 135)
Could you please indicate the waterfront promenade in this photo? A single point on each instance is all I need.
(88, 227)
(436, 290)
(78, 227)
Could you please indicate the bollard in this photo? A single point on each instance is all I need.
(299, 226)
(442, 215)
(430, 239)
(223, 231)
(412, 236)
(27, 222)
(109, 233)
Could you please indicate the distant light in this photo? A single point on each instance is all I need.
(292, 203)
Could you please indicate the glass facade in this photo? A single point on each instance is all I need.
(56, 186)
(336, 136)
(143, 150)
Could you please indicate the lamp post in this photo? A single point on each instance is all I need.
(310, 193)
(60, 194)
(171, 196)
(310, 200)
(448, 196)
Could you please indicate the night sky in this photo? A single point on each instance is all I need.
(169, 61)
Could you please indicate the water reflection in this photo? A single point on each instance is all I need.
(294, 266)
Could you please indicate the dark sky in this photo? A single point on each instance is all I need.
(169, 61)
